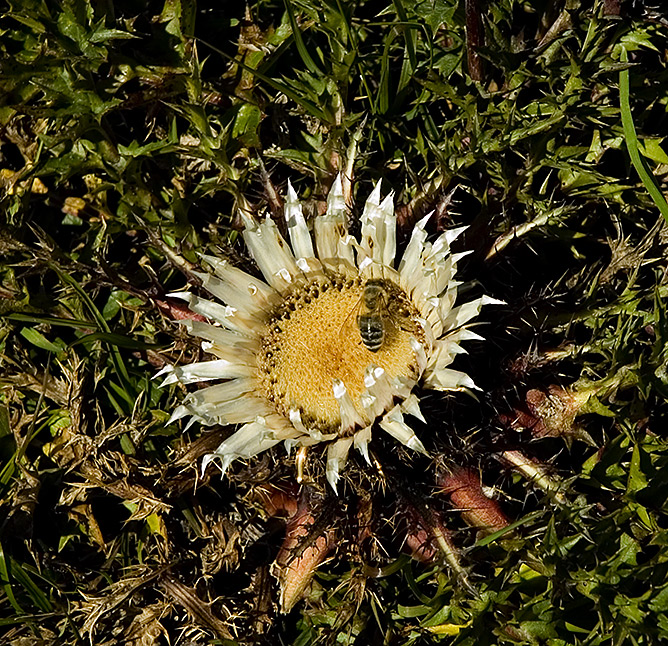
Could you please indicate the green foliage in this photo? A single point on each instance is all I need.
(130, 136)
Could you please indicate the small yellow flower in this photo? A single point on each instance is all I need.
(334, 341)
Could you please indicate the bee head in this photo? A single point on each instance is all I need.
(374, 288)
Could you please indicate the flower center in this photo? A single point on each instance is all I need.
(332, 329)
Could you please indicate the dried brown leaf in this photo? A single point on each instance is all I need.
(200, 612)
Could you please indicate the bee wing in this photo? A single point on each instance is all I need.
(349, 327)
(404, 323)
(400, 316)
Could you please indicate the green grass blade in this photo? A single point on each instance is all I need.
(382, 102)
(118, 340)
(4, 581)
(631, 139)
(37, 596)
(117, 358)
(408, 34)
(50, 320)
(486, 540)
(299, 41)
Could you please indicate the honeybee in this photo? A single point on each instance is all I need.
(380, 306)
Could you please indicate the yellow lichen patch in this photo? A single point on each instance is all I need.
(314, 340)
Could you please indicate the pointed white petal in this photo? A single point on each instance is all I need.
(223, 462)
(262, 295)
(345, 252)
(465, 334)
(443, 353)
(454, 233)
(280, 426)
(337, 454)
(379, 392)
(446, 379)
(311, 440)
(467, 311)
(374, 197)
(272, 254)
(438, 269)
(444, 306)
(411, 260)
(220, 336)
(296, 420)
(224, 314)
(290, 444)
(300, 236)
(205, 371)
(432, 277)
(372, 240)
(238, 411)
(420, 354)
(456, 257)
(330, 228)
(205, 401)
(393, 424)
(429, 336)
(233, 354)
(361, 441)
(242, 301)
(411, 405)
(431, 308)
(249, 440)
(389, 250)
(427, 272)
(179, 413)
(350, 418)
(402, 387)
(336, 203)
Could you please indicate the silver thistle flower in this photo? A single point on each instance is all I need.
(293, 360)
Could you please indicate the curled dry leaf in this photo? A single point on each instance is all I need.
(307, 543)
(464, 488)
